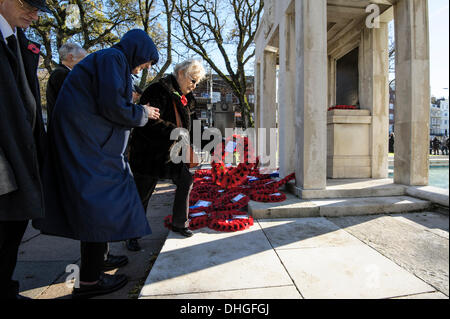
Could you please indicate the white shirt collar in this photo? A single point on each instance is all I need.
(6, 28)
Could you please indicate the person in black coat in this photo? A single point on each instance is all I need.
(22, 134)
(436, 145)
(391, 143)
(69, 55)
(150, 145)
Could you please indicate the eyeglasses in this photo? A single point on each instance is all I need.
(28, 8)
(192, 80)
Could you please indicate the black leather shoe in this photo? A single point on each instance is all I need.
(106, 285)
(113, 262)
(133, 245)
(183, 231)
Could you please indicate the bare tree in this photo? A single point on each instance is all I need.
(97, 24)
(208, 25)
(163, 38)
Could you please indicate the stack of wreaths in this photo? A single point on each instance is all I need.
(220, 194)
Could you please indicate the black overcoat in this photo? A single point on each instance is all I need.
(21, 151)
(54, 84)
(150, 145)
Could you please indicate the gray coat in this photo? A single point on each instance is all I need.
(21, 150)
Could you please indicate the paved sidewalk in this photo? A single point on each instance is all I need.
(381, 256)
(367, 257)
(43, 259)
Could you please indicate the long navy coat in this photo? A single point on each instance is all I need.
(92, 195)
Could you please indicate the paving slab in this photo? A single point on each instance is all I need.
(292, 207)
(49, 248)
(431, 295)
(348, 272)
(429, 221)
(434, 194)
(305, 233)
(35, 277)
(369, 205)
(285, 292)
(213, 261)
(412, 246)
(343, 188)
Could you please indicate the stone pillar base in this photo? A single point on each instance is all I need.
(348, 153)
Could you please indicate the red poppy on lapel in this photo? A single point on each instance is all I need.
(184, 100)
(33, 48)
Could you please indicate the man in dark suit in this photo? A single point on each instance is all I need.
(22, 134)
(69, 55)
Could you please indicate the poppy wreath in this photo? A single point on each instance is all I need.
(202, 173)
(168, 221)
(264, 190)
(229, 222)
(194, 197)
(342, 107)
(243, 189)
(269, 192)
(199, 222)
(202, 191)
(268, 198)
(230, 177)
(242, 144)
(200, 181)
(201, 209)
(285, 180)
(194, 222)
(261, 182)
(238, 175)
(226, 203)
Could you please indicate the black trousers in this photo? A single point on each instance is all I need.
(92, 257)
(11, 234)
(183, 179)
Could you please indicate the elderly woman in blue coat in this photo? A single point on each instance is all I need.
(93, 197)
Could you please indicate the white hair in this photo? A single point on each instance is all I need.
(191, 67)
(70, 48)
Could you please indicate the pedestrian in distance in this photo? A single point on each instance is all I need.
(436, 145)
(391, 142)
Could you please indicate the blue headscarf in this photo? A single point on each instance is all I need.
(138, 47)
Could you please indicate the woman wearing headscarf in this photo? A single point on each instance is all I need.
(93, 197)
(150, 145)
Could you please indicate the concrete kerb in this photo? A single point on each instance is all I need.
(433, 194)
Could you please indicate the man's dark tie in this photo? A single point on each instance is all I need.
(12, 43)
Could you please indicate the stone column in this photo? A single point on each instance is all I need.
(267, 113)
(412, 107)
(257, 112)
(374, 93)
(286, 95)
(311, 94)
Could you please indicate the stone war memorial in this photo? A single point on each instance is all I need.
(313, 56)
